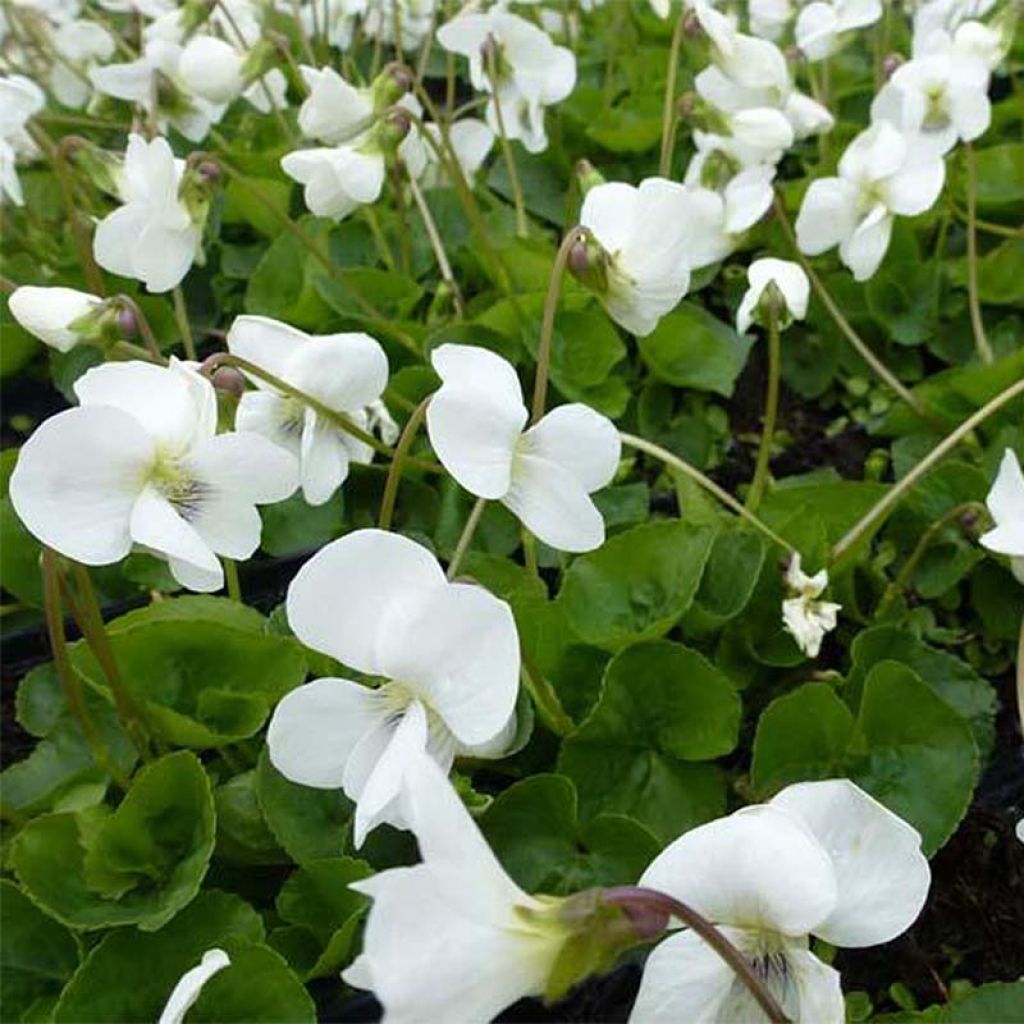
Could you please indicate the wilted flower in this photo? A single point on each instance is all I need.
(155, 236)
(786, 298)
(1006, 503)
(345, 372)
(448, 654)
(883, 172)
(822, 858)
(59, 317)
(804, 616)
(643, 233)
(139, 462)
(544, 475)
(190, 985)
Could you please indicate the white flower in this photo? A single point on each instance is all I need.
(152, 237)
(545, 475)
(139, 462)
(822, 858)
(20, 99)
(190, 984)
(791, 283)
(942, 96)
(452, 938)
(532, 72)
(804, 617)
(211, 68)
(769, 18)
(820, 26)
(946, 16)
(883, 172)
(1006, 503)
(415, 21)
(346, 372)
(334, 111)
(472, 140)
(644, 232)
(49, 313)
(80, 44)
(448, 654)
(336, 17)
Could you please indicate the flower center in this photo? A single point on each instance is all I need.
(171, 477)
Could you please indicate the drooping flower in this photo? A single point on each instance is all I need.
(139, 463)
(1006, 504)
(20, 99)
(517, 64)
(544, 475)
(220, 73)
(190, 985)
(790, 293)
(448, 654)
(643, 233)
(452, 938)
(822, 858)
(336, 111)
(821, 26)
(345, 372)
(883, 173)
(154, 237)
(805, 617)
(59, 317)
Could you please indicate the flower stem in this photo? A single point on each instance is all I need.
(771, 411)
(639, 898)
(522, 228)
(547, 327)
(673, 461)
(896, 493)
(71, 684)
(880, 369)
(234, 585)
(545, 700)
(981, 342)
(668, 110)
(466, 537)
(184, 327)
(412, 426)
(899, 584)
(437, 245)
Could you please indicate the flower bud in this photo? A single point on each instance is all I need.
(691, 25)
(127, 322)
(891, 63)
(229, 380)
(587, 176)
(62, 317)
(391, 85)
(588, 262)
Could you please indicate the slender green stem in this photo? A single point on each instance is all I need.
(300, 28)
(152, 345)
(880, 369)
(545, 700)
(184, 327)
(466, 537)
(669, 114)
(131, 351)
(530, 552)
(443, 265)
(547, 327)
(74, 694)
(673, 461)
(899, 584)
(86, 610)
(234, 585)
(771, 412)
(522, 227)
(899, 490)
(379, 238)
(412, 426)
(981, 342)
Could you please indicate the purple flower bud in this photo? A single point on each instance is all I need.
(890, 64)
(127, 322)
(229, 380)
(400, 74)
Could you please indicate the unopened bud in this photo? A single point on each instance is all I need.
(208, 171)
(686, 105)
(127, 322)
(400, 74)
(891, 63)
(793, 53)
(229, 380)
(398, 123)
(691, 24)
(587, 176)
(587, 262)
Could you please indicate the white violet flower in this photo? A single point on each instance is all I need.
(54, 315)
(20, 99)
(790, 285)
(821, 26)
(805, 617)
(1006, 504)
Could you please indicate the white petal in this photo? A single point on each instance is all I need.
(334, 111)
(344, 371)
(828, 215)
(157, 525)
(882, 874)
(1005, 540)
(757, 868)
(228, 525)
(457, 647)
(190, 984)
(162, 255)
(580, 440)
(192, 577)
(245, 467)
(114, 241)
(475, 418)
(553, 505)
(916, 186)
(316, 727)
(212, 68)
(865, 249)
(323, 459)
(1006, 499)
(609, 212)
(76, 480)
(337, 599)
(267, 343)
(47, 313)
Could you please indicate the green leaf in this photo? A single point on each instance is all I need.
(139, 864)
(308, 823)
(638, 585)
(243, 836)
(37, 955)
(293, 526)
(904, 300)
(662, 707)
(1000, 176)
(729, 579)
(284, 283)
(394, 294)
(690, 348)
(533, 828)
(633, 126)
(317, 899)
(128, 976)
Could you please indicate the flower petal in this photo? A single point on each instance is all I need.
(579, 440)
(1006, 498)
(246, 466)
(190, 984)
(882, 874)
(324, 459)
(344, 371)
(157, 525)
(267, 343)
